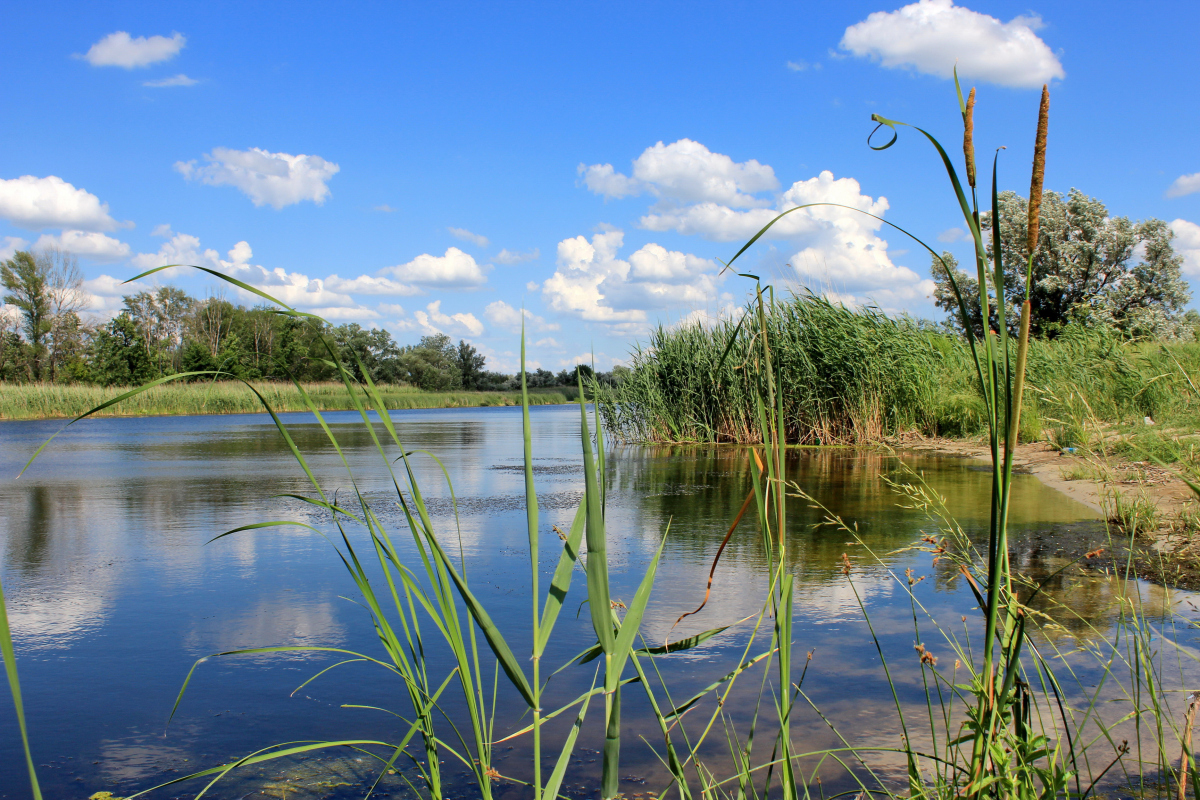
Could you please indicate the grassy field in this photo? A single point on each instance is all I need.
(49, 401)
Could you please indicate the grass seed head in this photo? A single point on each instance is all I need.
(1039, 170)
(969, 137)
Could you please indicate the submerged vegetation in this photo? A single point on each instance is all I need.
(1005, 713)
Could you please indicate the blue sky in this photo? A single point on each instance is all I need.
(437, 167)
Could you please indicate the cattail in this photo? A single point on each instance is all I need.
(1014, 423)
(1039, 170)
(969, 137)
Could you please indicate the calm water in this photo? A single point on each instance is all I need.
(114, 593)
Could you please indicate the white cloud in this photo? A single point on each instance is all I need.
(1184, 184)
(549, 343)
(274, 179)
(36, 203)
(86, 244)
(370, 284)
(836, 247)
(723, 224)
(951, 235)
(433, 321)
(181, 248)
(174, 80)
(454, 269)
(1187, 245)
(327, 297)
(105, 292)
(686, 171)
(119, 49)
(603, 179)
(162, 231)
(502, 315)
(385, 208)
(9, 245)
(466, 236)
(510, 257)
(593, 284)
(929, 36)
(391, 309)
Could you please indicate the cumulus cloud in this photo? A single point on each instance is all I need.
(835, 246)
(1184, 185)
(593, 284)
(119, 49)
(274, 179)
(686, 171)
(502, 315)
(329, 297)
(370, 284)
(104, 293)
(174, 80)
(181, 248)
(86, 244)
(466, 236)
(36, 203)
(929, 36)
(1187, 245)
(433, 321)
(510, 257)
(9, 245)
(454, 269)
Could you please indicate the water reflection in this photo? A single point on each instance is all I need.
(114, 590)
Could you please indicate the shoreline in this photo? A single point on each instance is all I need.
(26, 402)
(1167, 553)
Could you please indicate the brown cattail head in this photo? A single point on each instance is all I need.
(969, 137)
(1039, 170)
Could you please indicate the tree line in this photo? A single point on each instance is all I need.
(167, 331)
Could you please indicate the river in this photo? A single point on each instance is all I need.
(114, 591)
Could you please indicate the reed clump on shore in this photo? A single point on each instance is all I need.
(857, 375)
(51, 400)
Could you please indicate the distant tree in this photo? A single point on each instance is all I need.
(1089, 268)
(120, 357)
(64, 289)
(25, 283)
(432, 364)
(470, 365)
(373, 348)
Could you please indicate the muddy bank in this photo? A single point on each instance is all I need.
(1166, 541)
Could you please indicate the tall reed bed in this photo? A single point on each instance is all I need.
(52, 400)
(844, 376)
(850, 376)
(1012, 716)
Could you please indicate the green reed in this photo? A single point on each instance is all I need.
(56, 400)
(1018, 721)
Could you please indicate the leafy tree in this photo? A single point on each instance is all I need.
(121, 358)
(470, 365)
(1089, 268)
(374, 348)
(432, 364)
(25, 281)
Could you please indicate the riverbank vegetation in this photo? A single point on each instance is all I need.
(852, 376)
(995, 708)
(53, 400)
(45, 338)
